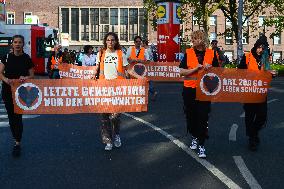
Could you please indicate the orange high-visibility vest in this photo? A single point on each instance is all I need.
(251, 62)
(53, 62)
(141, 55)
(192, 62)
(120, 69)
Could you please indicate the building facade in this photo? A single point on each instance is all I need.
(86, 22)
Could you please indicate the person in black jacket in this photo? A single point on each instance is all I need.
(16, 65)
(256, 113)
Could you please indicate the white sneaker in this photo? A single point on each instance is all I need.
(117, 141)
(108, 147)
(193, 145)
(201, 152)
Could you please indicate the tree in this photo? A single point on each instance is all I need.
(203, 9)
(253, 9)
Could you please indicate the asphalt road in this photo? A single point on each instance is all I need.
(65, 151)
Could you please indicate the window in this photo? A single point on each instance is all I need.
(194, 21)
(114, 20)
(261, 20)
(276, 55)
(143, 23)
(229, 38)
(95, 23)
(213, 20)
(213, 36)
(75, 24)
(230, 55)
(228, 22)
(10, 18)
(27, 14)
(245, 38)
(246, 22)
(276, 40)
(124, 24)
(65, 20)
(94, 17)
(133, 23)
(85, 24)
(104, 22)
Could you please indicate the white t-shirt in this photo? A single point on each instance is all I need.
(111, 64)
(89, 61)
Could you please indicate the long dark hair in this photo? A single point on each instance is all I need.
(19, 36)
(117, 45)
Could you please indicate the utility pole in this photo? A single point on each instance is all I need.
(240, 28)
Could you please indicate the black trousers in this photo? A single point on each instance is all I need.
(15, 120)
(110, 127)
(255, 117)
(197, 114)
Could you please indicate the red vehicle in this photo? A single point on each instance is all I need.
(39, 43)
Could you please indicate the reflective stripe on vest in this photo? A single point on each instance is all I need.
(251, 62)
(192, 62)
(141, 55)
(119, 68)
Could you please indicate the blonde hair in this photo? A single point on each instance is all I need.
(199, 34)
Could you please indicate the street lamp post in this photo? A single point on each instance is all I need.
(240, 28)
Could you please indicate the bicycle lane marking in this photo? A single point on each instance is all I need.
(210, 167)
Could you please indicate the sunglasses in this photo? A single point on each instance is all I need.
(137, 41)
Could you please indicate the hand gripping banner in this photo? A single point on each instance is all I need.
(69, 96)
(233, 85)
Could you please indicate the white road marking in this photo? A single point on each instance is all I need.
(233, 132)
(4, 124)
(5, 116)
(276, 90)
(210, 167)
(279, 126)
(246, 173)
(2, 110)
(268, 102)
(24, 116)
(30, 116)
(272, 100)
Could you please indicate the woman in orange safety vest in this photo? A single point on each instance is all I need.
(197, 112)
(111, 64)
(255, 113)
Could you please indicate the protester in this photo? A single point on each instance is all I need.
(16, 65)
(66, 57)
(54, 60)
(89, 58)
(111, 64)
(139, 54)
(152, 89)
(197, 112)
(79, 58)
(217, 51)
(255, 113)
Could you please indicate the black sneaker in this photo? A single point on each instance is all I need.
(253, 144)
(16, 150)
(257, 140)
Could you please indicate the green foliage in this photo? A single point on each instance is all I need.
(231, 65)
(279, 68)
(202, 9)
